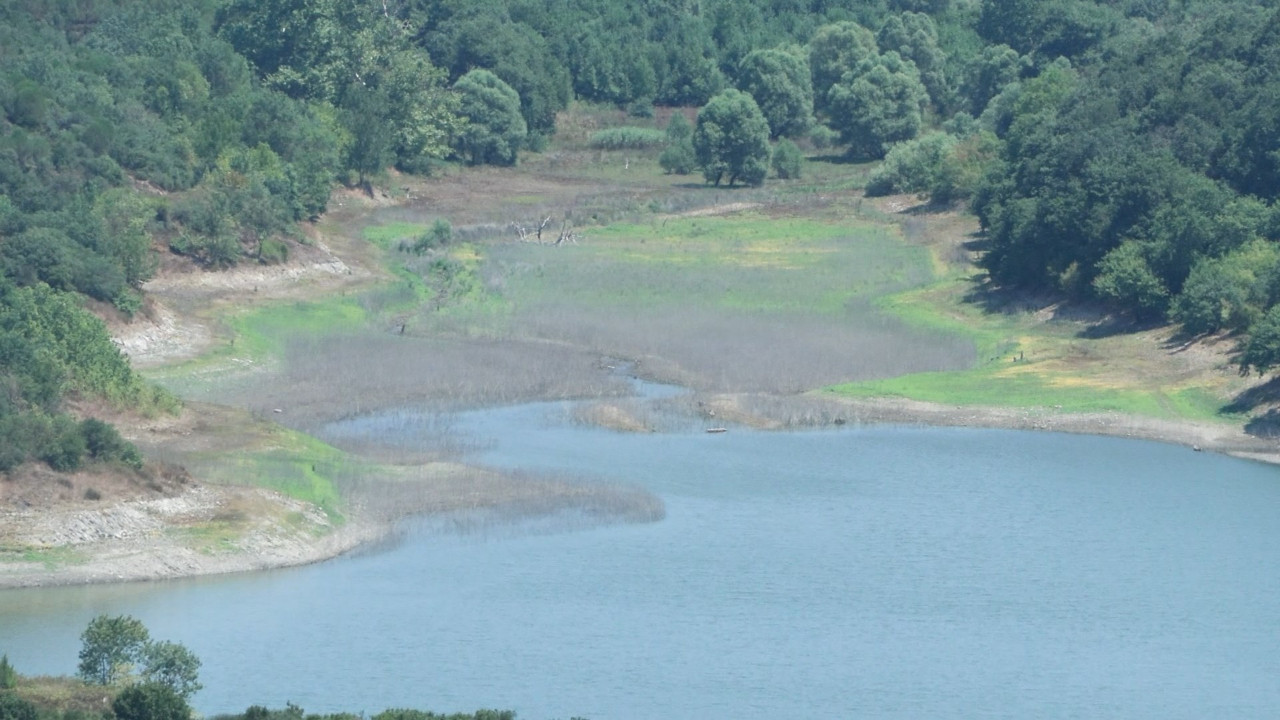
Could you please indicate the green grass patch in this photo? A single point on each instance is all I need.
(50, 558)
(983, 387)
(1028, 362)
(287, 461)
(388, 235)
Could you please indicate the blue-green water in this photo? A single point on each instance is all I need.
(877, 573)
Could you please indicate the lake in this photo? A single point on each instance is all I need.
(879, 572)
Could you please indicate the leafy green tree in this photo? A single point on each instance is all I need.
(485, 36)
(915, 37)
(372, 148)
(678, 157)
(8, 676)
(1262, 350)
(994, 68)
(688, 70)
(495, 129)
(173, 666)
(1230, 292)
(877, 104)
(150, 701)
(111, 647)
(731, 139)
(1125, 276)
(779, 81)
(835, 50)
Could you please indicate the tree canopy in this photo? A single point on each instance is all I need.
(731, 140)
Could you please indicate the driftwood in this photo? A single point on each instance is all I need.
(566, 235)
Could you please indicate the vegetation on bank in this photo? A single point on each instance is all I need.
(1101, 168)
(124, 675)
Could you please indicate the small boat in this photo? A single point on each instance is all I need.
(715, 430)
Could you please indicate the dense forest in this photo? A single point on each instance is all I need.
(1125, 152)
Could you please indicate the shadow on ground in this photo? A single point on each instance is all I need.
(1267, 393)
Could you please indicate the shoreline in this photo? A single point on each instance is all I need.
(158, 557)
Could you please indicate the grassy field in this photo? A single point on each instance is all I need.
(1033, 353)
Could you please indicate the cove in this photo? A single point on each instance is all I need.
(878, 572)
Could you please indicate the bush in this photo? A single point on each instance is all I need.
(216, 251)
(272, 252)
(823, 137)
(13, 707)
(104, 444)
(439, 235)
(150, 701)
(788, 161)
(66, 448)
(641, 108)
(914, 166)
(627, 138)
(678, 159)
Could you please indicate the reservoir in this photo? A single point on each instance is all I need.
(877, 572)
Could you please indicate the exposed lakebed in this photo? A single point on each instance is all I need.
(852, 572)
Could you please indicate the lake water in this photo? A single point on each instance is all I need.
(862, 572)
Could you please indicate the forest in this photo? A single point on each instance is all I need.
(1125, 153)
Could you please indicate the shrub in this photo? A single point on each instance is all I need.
(150, 701)
(788, 161)
(104, 444)
(272, 252)
(678, 157)
(823, 137)
(439, 235)
(914, 166)
(627, 138)
(13, 707)
(65, 449)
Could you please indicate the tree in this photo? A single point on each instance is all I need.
(779, 82)
(1125, 276)
(732, 139)
(678, 157)
(915, 37)
(111, 647)
(495, 129)
(837, 49)
(877, 104)
(172, 665)
(987, 74)
(150, 701)
(1262, 351)
(8, 676)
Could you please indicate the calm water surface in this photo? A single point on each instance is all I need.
(878, 573)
